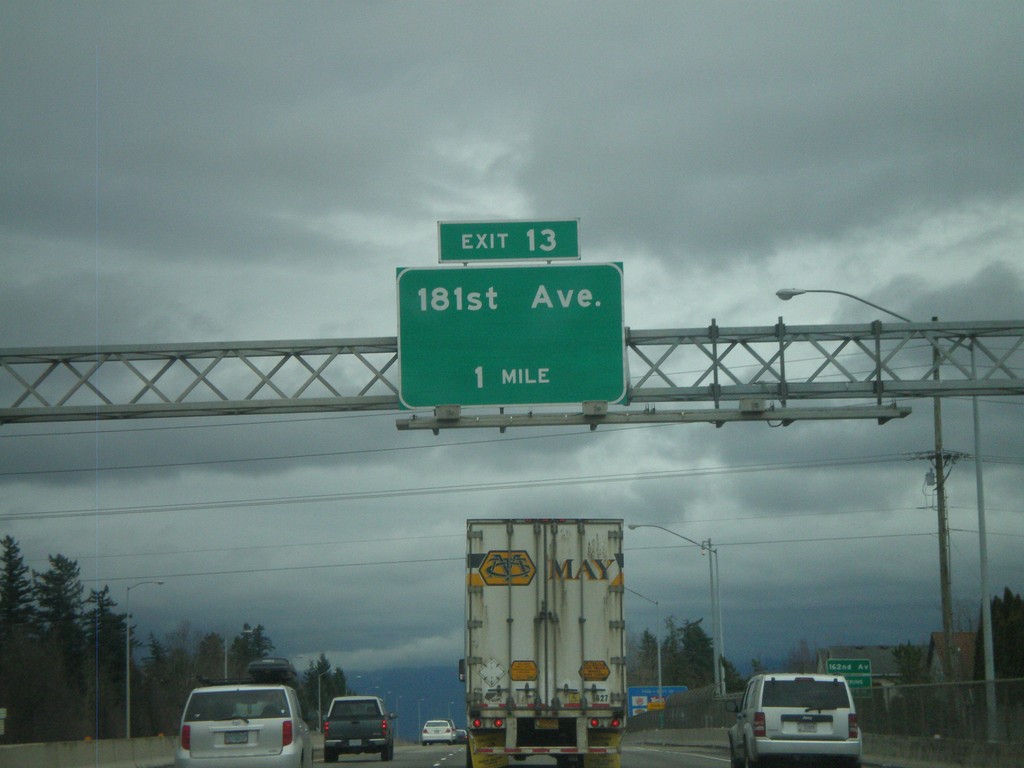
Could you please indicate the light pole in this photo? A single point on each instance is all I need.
(716, 617)
(657, 635)
(945, 579)
(319, 700)
(947, 611)
(128, 655)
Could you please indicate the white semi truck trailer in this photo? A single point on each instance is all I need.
(545, 666)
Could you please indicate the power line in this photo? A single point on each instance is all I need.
(445, 489)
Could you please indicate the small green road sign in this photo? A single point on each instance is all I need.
(511, 335)
(856, 671)
(465, 241)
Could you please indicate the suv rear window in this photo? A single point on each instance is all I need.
(229, 705)
(806, 693)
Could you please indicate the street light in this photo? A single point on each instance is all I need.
(947, 611)
(657, 634)
(788, 293)
(945, 580)
(716, 616)
(128, 655)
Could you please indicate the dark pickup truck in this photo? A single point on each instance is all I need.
(357, 724)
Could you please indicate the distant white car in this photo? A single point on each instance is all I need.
(437, 732)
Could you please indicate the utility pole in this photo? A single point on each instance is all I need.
(945, 579)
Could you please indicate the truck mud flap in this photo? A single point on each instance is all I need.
(486, 741)
(610, 760)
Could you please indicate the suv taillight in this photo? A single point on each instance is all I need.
(186, 737)
(286, 733)
(853, 726)
(759, 725)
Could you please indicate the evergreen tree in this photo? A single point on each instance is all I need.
(687, 655)
(105, 635)
(320, 684)
(911, 663)
(58, 594)
(1007, 638)
(17, 609)
(647, 660)
(211, 658)
(250, 644)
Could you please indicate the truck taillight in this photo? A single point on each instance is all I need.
(327, 727)
(499, 723)
(760, 729)
(596, 722)
(286, 733)
(616, 723)
(853, 726)
(384, 725)
(186, 737)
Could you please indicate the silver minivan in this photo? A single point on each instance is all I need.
(795, 717)
(255, 725)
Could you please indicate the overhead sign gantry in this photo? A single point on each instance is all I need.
(525, 335)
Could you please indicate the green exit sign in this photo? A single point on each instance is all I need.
(466, 241)
(856, 671)
(511, 335)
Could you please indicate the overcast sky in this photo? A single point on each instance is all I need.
(194, 171)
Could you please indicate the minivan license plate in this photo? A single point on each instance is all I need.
(236, 737)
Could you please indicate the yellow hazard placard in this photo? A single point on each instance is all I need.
(595, 670)
(523, 670)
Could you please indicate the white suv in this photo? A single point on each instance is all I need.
(258, 725)
(788, 716)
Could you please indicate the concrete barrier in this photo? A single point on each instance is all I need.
(155, 752)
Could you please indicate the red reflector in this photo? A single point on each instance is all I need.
(186, 737)
(286, 733)
(759, 725)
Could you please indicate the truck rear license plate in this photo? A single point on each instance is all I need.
(546, 723)
(236, 737)
(355, 742)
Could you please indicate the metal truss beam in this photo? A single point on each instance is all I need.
(719, 417)
(711, 365)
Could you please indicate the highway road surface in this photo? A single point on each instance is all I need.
(632, 757)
